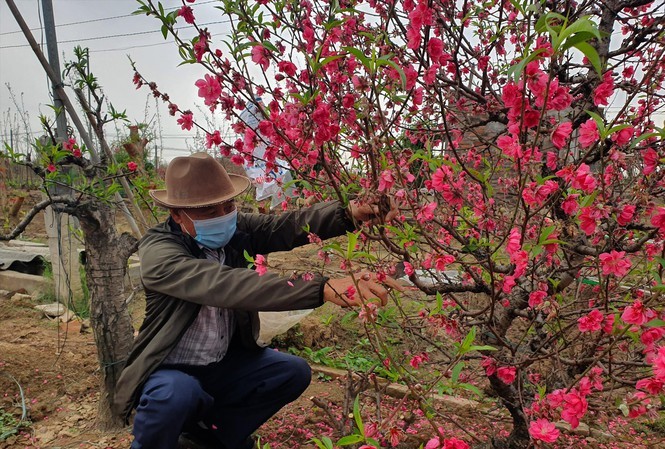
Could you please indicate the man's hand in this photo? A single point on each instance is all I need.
(371, 211)
(344, 293)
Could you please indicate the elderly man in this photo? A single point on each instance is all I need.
(195, 370)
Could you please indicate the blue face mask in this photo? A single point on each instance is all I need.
(215, 233)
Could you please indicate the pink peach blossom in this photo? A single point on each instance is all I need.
(543, 430)
(615, 263)
(588, 133)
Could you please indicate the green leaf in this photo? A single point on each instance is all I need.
(323, 443)
(457, 369)
(357, 417)
(642, 137)
(351, 246)
(468, 341)
(360, 56)
(583, 27)
(600, 123)
(482, 348)
(516, 70)
(471, 388)
(350, 439)
(402, 75)
(591, 54)
(655, 323)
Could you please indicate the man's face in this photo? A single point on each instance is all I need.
(184, 217)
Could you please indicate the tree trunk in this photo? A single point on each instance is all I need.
(519, 437)
(106, 262)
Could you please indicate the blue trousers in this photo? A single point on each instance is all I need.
(232, 397)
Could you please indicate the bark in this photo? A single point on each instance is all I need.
(519, 437)
(106, 262)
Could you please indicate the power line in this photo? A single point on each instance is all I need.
(130, 47)
(138, 33)
(101, 19)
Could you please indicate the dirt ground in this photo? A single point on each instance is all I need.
(51, 369)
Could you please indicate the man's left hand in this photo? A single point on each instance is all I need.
(371, 212)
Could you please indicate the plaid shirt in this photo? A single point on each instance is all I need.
(207, 338)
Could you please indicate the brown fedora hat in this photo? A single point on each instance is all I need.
(198, 180)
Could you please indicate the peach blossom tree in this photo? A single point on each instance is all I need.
(523, 144)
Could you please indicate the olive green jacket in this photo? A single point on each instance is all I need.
(178, 279)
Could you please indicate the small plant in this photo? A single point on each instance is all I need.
(9, 425)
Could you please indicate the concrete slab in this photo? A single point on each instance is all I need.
(13, 281)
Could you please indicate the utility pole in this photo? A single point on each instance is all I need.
(54, 62)
(64, 254)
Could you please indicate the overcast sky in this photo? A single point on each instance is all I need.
(111, 32)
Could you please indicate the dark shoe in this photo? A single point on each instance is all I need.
(190, 441)
(205, 440)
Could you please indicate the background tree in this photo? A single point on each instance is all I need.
(96, 181)
(536, 129)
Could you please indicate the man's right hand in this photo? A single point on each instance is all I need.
(365, 288)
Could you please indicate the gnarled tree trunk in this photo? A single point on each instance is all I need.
(106, 264)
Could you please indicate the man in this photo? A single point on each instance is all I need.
(195, 368)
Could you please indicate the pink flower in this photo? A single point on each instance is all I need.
(260, 56)
(570, 205)
(604, 90)
(614, 263)
(421, 15)
(261, 264)
(608, 324)
(650, 161)
(506, 374)
(537, 298)
(213, 139)
(395, 436)
(350, 292)
(591, 322)
(287, 67)
(51, 167)
(651, 386)
(560, 134)
(69, 144)
(489, 364)
(368, 313)
(583, 179)
(659, 365)
(543, 430)
(588, 133)
(574, 408)
(454, 443)
(186, 121)
(200, 47)
(514, 239)
(658, 220)
(439, 180)
(132, 166)
(386, 180)
(626, 214)
(435, 49)
(209, 89)
(186, 13)
(426, 213)
(408, 269)
(623, 136)
(635, 313)
(442, 262)
(417, 360)
(511, 95)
